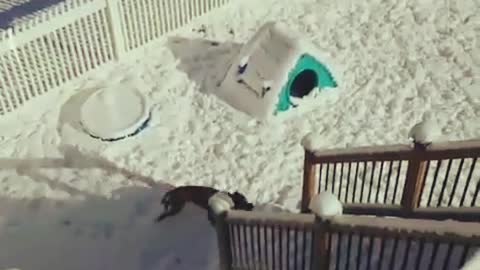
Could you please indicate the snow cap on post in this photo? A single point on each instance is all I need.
(311, 142)
(220, 202)
(426, 131)
(325, 205)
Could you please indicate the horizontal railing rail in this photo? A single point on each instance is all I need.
(467, 214)
(452, 150)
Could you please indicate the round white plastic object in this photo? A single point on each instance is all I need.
(114, 113)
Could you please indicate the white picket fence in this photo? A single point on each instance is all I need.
(77, 36)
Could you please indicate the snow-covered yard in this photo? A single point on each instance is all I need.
(68, 201)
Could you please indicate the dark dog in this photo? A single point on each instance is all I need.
(175, 199)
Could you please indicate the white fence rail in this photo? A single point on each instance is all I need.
(76, 36)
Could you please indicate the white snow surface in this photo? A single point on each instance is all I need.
(68, 201)
(325, 205)
(473, 263)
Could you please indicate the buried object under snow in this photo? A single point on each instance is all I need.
(113, 114)
(271, 69)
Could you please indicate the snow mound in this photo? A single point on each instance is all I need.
(220, 202)
(325, 205)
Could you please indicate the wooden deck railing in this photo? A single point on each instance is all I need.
(441, 181)
(273, 241)
(254, 240)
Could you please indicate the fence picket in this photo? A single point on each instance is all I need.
(6, 105)
(70, 68)
(97, 24)
(130, 14)
(74, 51)
(87, 42)
(136, 18)
(149, 18)
(117, 29)
(52, 61)
(13, 66)
(189, 10)
(59, 52)
(156, 20)
(11, 96)
(81, 46)
(29, 82)
(142, 21)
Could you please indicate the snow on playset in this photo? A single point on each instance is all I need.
(271, 70)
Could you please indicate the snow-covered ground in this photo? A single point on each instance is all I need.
(68, 201)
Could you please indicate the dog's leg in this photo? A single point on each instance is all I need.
(166, 211)
(171, 210)
(163, 215)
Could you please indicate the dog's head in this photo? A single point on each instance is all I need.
(240, 201)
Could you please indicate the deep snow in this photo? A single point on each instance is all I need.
(68, 201)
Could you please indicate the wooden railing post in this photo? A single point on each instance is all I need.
(309, 181)
(115, 28)
(320, 252)
(223, 240)
(415, 179)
